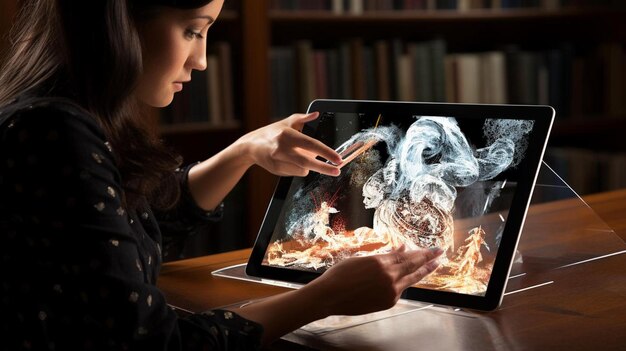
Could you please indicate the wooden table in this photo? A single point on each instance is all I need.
(579, 307)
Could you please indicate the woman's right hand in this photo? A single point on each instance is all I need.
(282, 148)
(372, 283)
(357, 285)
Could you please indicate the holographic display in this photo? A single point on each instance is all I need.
(417, 181)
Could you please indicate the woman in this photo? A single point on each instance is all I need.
(80, 177)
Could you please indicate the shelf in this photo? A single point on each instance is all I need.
(464, 31)
(380, 17)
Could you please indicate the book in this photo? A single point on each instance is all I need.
(438, 53)
(493, 80)
(381, 50)
(451, 82)
(305, 73)
(356, 7)
(213, 88)
(333, 74)
(345, 66)
(357, 69)
(337, 7)
(369, 67)
(589, 84)
(468, 76)
(283, 82)
(396, 50)
(321, 81)
(423, 72)
(224, 61)
(405, 78)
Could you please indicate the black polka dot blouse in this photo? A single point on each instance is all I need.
(77, 269)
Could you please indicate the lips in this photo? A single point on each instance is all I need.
(178, 85)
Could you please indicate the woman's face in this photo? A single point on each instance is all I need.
(173, 44)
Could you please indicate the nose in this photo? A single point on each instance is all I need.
(197, 58)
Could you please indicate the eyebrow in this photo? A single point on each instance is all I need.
(211, 19)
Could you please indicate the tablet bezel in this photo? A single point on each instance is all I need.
(528, 171)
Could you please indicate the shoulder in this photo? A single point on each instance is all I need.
(51, 118)
(54, 132)
(45, 111)
(53, 147)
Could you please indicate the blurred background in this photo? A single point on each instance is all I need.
(269, 58)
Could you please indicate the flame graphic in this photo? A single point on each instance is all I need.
(461, 273)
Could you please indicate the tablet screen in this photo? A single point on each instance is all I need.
(406, 179)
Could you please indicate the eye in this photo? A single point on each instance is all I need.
(190, 34)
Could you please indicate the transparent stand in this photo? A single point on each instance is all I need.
(560, 231)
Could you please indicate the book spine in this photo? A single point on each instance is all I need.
(213, 85)
(226, 79)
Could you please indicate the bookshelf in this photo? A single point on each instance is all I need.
(581, 27)
(253, 28)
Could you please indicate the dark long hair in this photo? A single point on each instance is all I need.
(90, 52)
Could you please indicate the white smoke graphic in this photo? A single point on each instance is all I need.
(434, 158)
(429, 162)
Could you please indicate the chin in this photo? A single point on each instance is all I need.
(160, 101)
(165, 104)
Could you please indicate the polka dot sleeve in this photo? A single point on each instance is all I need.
(186, 218)
(77, 270)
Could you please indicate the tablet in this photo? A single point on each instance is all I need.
(454, 176)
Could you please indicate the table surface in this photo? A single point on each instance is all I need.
(580, 306)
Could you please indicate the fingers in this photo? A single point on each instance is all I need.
(411, 261)
(299, 152)
(297, 120)
(378, 279)
(313, 164)
(316, 147)
(295, 140)
(414, 265)
(414, 277)
(290, 169)
(294, 164)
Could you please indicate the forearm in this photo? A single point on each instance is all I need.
(211, 180)
(279, 148)
(281, 314)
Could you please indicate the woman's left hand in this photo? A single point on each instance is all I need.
(282, 148)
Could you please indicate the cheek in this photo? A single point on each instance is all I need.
(163, 62)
